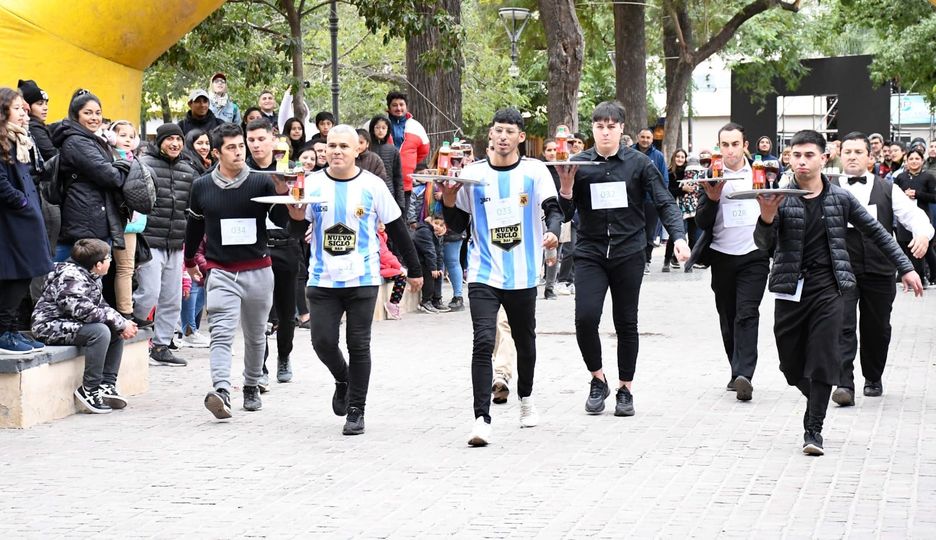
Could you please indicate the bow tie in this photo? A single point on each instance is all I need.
(860, 179)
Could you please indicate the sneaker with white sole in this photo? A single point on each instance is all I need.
(196, 340)
(562, 289)
(528, 415)
(219, 403)
(393, 311)
(427, 307)
(480, 433)
(112, 397)
(93, 400)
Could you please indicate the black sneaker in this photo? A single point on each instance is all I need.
(340, 399)
(142, 323)
(844, 397)
(549, 294)
(440, 307)
(160, 355)
(427, 307)
(873, 389)
(252, 398)
(219, 403)
(730, 386)
(92, 400)
(666, 268)
(812, 443)
(172, 345)
(283, 370)
(112, 397)
(598, 392)
(625, 403)
(354, 425)
(457, 304)
(744, 388)
(674, 263)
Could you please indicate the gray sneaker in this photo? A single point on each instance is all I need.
(625, 403)
(283, 370)
(597, 394)
(160, 355)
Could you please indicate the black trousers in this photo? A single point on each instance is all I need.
(808, 332)
(738, 282)
(329, 305)
(593, 278)
(567, 258)
(432, 286)
(650, 219)
(520, 307)
(285, 267)
(12, 292)
(302, 278)
(817, 402)
(874, 297)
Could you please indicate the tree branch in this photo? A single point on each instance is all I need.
(683, 45)
(719, 40)
(311, 9)
(267, 30)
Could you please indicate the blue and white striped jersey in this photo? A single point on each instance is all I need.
(345, 250)
(506, 249)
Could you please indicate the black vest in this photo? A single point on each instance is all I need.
(865, 256)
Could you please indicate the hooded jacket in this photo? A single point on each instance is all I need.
(165, 227)
(92, 205)
(413, 149)
(391, 159)
(206, 123)
(71, 299)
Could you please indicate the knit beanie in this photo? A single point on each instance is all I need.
(165, 131)
(31, 91)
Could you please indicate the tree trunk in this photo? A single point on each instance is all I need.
(679, 64)
(166, 108)
(675, 99)
(297, 89)
(442, 116)
(671, 51)
(630, 68)
(566, 52)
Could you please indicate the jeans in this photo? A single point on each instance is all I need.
(520, 307)
(451, 252)
(103, 350)
(329, 305)
(191, 308)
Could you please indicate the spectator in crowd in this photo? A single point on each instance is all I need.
(428, 242)
(645, 146)
(551, 271)
(920, 185)
(391, 270)
(222, 105)
(267, 105)
(38, 102)
(931, 157)
(160, 279)
(72, 311)
(199, 115)
(193, 304)
(834, 150)
(324, 121)
(321, 157)
(577, 143)
(877, 147)
(24, 252)
(627, 140)
(764, 149)
(896, 166)
(409, 137)
(683, 193)
(369, 161)
(197, 151)
(785, 159)
(379, 130)
(251, 114)
(294, 131)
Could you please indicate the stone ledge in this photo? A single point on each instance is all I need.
(408, 303)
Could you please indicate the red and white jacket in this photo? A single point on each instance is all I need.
(415, 148)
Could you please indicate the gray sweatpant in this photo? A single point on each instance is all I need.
(247, 296)
(159, 283)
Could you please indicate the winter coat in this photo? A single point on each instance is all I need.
(924, 183)
(24, 251)
(230, 112)
(391, 159)
(414, 147)
(839, 207)
(206, 123)
(71, 299)
(165, 226)
(389, 265)
(92, 206)
(371, 162)
(428, 246)
(197, 163)
(43, 138)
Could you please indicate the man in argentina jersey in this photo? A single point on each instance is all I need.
(344, 266)
(504, 257)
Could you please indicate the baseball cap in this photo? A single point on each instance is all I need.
(197, 94)
(219, 75)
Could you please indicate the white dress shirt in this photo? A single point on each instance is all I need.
(733, 233)
(906, 211)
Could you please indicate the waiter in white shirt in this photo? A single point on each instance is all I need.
(739, 268)
(875, 293)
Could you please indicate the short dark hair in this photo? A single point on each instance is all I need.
(319, 141)
(898, 144)
(858, 136)
(224, 131)
(808, 136)
(732, 126)
(916, 151)
(508, 116)
(373, 122)
(609, 110)
(89, 251)
(363, 134)
(260, 123)
(396, 95)
(322, 116)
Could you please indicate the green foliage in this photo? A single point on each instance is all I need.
(401, 18)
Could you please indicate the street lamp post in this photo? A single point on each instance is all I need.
(333, 28)
(515, 20)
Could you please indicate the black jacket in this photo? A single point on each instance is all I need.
(93, 202)
(428, 246)
(43, 138)
(391, 159)
(165, 225)
(619, 232)
(925, 185)
(206, 123)
(839, 207)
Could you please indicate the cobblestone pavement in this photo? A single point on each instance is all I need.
(694, 462)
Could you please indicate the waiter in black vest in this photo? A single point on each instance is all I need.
(875, 293)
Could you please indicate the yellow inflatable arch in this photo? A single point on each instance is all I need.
(101, 45)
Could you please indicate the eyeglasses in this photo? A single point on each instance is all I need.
(82, 92)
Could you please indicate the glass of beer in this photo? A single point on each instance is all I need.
(772, 168)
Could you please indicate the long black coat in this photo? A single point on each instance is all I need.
(92, 207)
(24, 251)
(165, 225)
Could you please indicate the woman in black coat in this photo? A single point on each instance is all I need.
(24, 252)
(379, 130)
(920, 185)
(197, 151)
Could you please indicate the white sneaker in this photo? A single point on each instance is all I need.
(197, 340)
(480, 433)
(528, 415)
(562, 289)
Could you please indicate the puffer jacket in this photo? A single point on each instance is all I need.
(389, 265)
(391, 159)
(92, 206)
(71, 299)
(165, 226)
(839, 207)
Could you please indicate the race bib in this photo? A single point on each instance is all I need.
(795, 297)
(507, 237)
(742, 214)
(238, 232)
(503, 212)
(339, 239)
(344, 268)
(609, 195)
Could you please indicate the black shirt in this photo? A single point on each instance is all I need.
(817, 254)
